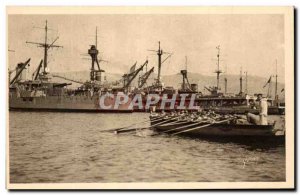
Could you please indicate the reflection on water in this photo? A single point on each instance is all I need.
(72, 147)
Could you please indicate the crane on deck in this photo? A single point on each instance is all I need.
(128, 78)
(19, 70)
(213, 90)
(36, 73)
(144, 77)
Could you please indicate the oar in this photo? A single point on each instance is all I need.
(115, 129)
(166, 121)
(127, 130)
(158, 119)
(196, 128)
(133, 129)
(175, 122)
(182, 127)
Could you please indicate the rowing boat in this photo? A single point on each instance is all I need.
(205, 128)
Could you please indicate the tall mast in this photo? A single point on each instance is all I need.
(93, 52)
(225, 79)
(46, 47)
(186, 63)
(276, 96)
(246, 87)
(159, 53)
(218, 71)
(184, 73)
(96, 37)
(241, 81)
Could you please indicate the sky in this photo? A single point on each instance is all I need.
(253, 42)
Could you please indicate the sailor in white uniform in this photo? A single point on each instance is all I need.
(262, 119)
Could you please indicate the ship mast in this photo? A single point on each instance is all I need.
(93, 52)
(276, 95)
(186, 63)
(246, 87)
(159, 53)
(46, 47)
(218, 71)
(225, 80)
(184, 74)
(96, 37)
(241, 81)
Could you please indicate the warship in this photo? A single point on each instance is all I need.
(42, 94)
(220, 102)
(240, 103)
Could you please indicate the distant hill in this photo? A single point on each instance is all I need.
(255, 83)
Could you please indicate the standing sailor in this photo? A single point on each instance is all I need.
(263, 112)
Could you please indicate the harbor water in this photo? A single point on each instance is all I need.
(73, 148)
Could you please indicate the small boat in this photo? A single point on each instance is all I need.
(217, 128)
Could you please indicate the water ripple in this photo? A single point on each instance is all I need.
(72, 147)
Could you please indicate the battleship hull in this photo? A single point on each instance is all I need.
(66, 104)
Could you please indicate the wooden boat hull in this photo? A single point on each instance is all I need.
(223, 129)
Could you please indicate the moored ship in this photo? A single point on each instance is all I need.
(42, 94)
(220, 102)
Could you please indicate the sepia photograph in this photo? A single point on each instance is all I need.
(150, 98)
